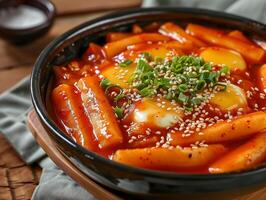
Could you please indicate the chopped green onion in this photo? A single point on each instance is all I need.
(213, 76)
(207, 66)
(119, 112)
(188, 108)
(200, 85)
(143, 66)
(169, 96)
(145, 92)
(162, 83)
(193, 75)
(105, 83)
(125, 63)
(182, 87)
(119, 97)
(196, 100)
(107, 86)
(147, 56)
(222, 86)
(182, 98)
(204, 76)
(224, 70)
(112, 86)
(178, 69)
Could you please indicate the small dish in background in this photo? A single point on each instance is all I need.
(23, 21)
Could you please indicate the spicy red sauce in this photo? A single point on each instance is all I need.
(141, 111)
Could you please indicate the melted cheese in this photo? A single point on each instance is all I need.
(233, 98)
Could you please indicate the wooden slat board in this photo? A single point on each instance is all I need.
(68, 7)
(17, 180)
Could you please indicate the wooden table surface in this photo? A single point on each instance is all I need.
(17, 180)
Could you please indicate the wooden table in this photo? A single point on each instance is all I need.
(17, 180)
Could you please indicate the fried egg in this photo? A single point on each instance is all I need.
(160, 114)
(222, 56)
(232, 98)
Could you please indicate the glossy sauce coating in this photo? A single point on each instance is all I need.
(165, 97)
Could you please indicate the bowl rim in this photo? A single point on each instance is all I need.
(43, 114)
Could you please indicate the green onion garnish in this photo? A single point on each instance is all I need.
(105, 83)
(180, 79)
(145, 92)
(183, 87)
(200, 85)
(182, 98)
(143, 66)
(125, 63)
(197, 100)
(146, 56)
(119, 97)
(119, 112)
(224, 70)
(222, 86)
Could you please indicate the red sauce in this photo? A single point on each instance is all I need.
(73, 118)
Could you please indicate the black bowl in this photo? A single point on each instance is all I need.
(130, 181)
(26, 35)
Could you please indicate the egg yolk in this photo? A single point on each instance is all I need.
(222, 56)
(232, 98)
(159, 114)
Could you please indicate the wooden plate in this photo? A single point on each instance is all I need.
(95, 189)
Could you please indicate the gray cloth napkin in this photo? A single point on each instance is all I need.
(14, 107)
(15, 104)
(55, 184)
